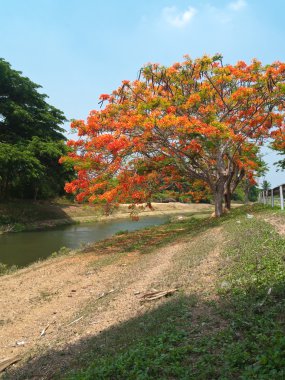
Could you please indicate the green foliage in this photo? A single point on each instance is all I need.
(61, 252)
(265, 185)
(281, 163)
(159, 357)
(4, 269)
(122, 232)
(24, 111)
(240, 193)
(253, 193)
(31, 169)
(31, 140)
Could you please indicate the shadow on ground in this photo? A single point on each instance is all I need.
(182, 338)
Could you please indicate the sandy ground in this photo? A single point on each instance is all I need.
(54, 304)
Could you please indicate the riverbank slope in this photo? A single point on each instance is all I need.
(104, 311)
(21, 216)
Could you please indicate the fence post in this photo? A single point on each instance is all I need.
(281, 197)
(272, 198)
(264, 197)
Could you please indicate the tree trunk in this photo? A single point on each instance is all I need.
(219, 192)
(228, 201)
(219, 203)
(36, 193)
(246, 192)
(228, 197)
(246, 196)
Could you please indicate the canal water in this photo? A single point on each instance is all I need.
(24, 248)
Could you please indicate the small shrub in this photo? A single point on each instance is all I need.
(61, 252)
(5, 269)
(121, 232)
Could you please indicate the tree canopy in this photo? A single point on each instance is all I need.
(31, 139)
(199, 120)
(24, 112)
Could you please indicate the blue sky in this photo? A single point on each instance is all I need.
(78, 49)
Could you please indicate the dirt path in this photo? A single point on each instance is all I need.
(82, 295)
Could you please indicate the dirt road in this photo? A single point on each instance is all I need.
(54, 304)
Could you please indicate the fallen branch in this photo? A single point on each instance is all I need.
(45, 329)
(158, 294)
(105, 294)
(5, 363)
(76, 320)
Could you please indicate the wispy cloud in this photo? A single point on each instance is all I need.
(237, 5)
(177, 18)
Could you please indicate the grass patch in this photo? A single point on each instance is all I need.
(122, 232)
(241, 333)
(63, 251)
(149, 238)
(5, 269)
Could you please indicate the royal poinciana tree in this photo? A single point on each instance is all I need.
(198, 121)
(278, 144)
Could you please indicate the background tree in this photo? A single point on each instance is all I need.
(265, 186)
(24, 112)
(31, 139)
(196, 120)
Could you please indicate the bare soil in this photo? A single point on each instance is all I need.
(277, 221)
(54, 304)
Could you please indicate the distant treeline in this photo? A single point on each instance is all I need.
(31, 140)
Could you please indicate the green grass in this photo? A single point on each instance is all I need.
(241, 335)
(147, 239)
(4, 269)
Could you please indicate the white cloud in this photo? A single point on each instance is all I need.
(237, 5)
(176, 18)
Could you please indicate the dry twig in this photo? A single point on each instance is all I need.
(76, 320)
(158, 294)
(45, 329)
(5, 363)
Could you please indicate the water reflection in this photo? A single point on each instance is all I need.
(24, 248)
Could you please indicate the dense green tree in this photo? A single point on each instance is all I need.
(31, 139)
(24, 112)
(52, 179)
(17, 166)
